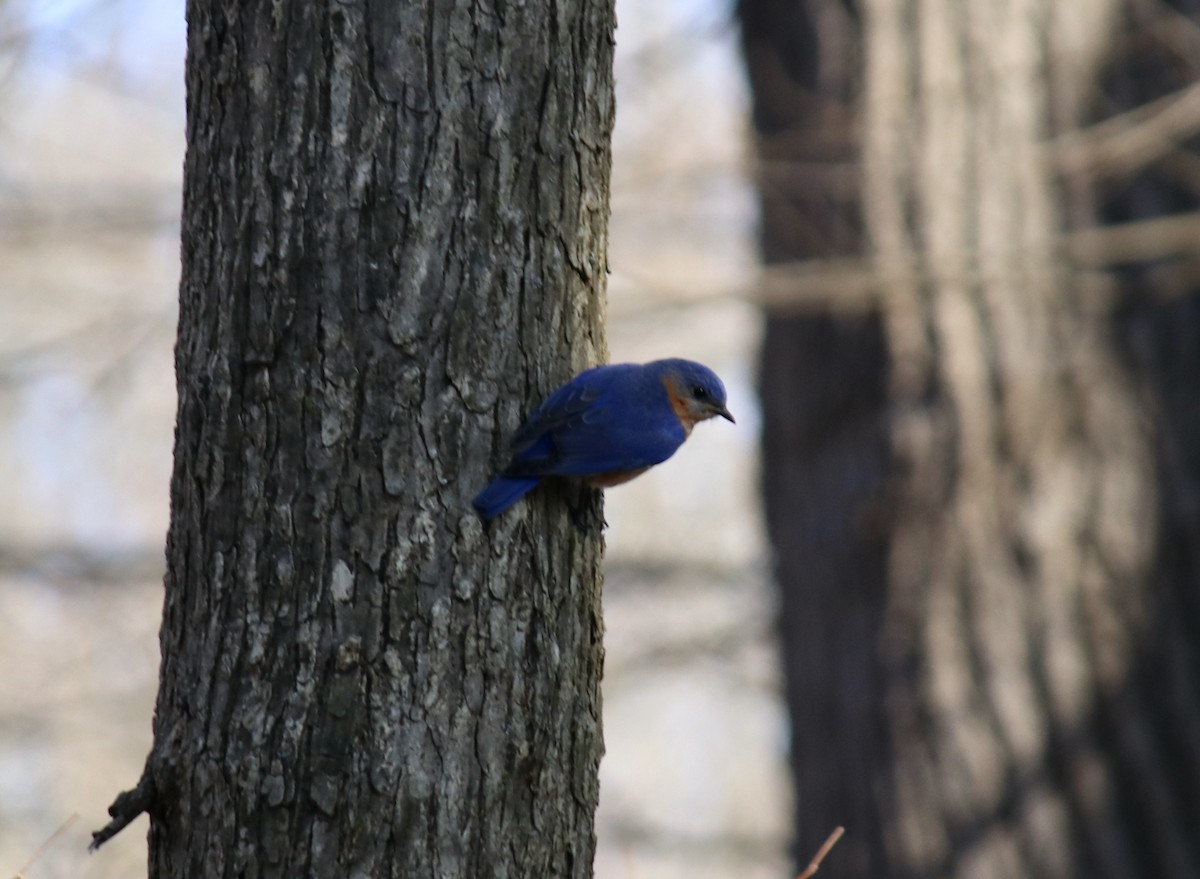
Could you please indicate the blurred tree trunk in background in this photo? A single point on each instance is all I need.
(393, 239)
(982, 493)
(823, 380)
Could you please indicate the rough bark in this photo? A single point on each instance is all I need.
(1014, 692)
(393, 243)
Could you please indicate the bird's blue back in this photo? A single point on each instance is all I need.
(606, 419)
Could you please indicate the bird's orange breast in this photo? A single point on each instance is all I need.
(679, 405)
(608, 480)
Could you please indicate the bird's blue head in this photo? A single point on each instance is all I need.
(695, 391)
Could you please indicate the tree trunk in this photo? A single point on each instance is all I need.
(394, 233)
(823, 382)
(1014, 693)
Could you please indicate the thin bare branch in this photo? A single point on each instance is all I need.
(1132, 140)
(815, 863)
(45, 846)
(1158, 238)
(855, 284)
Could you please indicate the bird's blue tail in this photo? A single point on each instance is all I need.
(501, 494)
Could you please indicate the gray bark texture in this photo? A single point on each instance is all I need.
(394, 234)
(981, 492)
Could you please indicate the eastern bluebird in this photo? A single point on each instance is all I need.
(606, 426)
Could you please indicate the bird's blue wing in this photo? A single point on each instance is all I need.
(602, 421)
(613, 443)
(605, 438)
(569, 403)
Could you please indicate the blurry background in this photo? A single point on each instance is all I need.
(978, 332)
(91, 144)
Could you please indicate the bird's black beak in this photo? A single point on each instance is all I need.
(724, 413)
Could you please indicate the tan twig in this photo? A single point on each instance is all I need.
(815, 863)
(45, 846)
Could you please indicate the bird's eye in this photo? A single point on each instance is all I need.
(699, 392)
